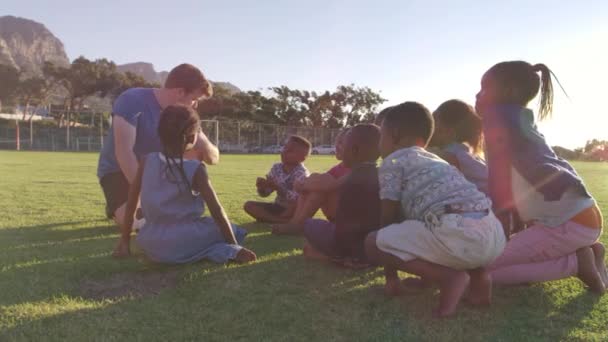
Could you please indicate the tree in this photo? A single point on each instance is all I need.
(347, 105)
(126, 81)
(9, 84)
(595, 144)
(31, 91)
(354, 105)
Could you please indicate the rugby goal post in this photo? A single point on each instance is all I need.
(211, 128)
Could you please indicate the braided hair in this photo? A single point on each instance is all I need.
(176, 125)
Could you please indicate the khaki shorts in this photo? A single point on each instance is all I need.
(457, 241)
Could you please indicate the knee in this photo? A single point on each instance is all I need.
(248, 207)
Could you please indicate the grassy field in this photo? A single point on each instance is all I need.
(58, 281)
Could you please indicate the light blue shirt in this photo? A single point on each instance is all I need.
(427, 186)
(472, 167)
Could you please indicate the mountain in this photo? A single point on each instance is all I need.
(26, 45)
(229, 87)
(147, 71)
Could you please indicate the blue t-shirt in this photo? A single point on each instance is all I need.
(140, 108)
(472, 167)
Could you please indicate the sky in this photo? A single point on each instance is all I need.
(425, 51)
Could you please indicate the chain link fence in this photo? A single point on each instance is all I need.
(86, 131)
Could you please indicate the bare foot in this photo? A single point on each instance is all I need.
(311, 253)
(451, 290)
(286, 228)
(245, 256)
(480, 290)
(587, 272)
(599, 251)
(393, 287)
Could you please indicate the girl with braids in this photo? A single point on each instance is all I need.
(173, 193)
(459, 137)
(528, 183)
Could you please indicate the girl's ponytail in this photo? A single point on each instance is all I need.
(546, 91)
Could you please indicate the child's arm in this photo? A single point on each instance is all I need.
(122, 249)
(390, 180)
(499, 146)
(202, 184)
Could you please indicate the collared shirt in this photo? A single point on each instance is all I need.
(285, 181)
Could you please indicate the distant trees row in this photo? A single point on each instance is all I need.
(345, 106)
(71, 86)
(594, 150)
(85, 79)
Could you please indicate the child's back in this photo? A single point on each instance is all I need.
(165, 197)
(174, 231)
(427, 186)
(358, 211)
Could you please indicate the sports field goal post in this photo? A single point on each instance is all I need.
(211, 128)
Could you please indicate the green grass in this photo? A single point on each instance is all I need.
(54, 237)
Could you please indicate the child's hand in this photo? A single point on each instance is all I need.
(260, 182)
(271, 184)
(245, 255)
(122, 249)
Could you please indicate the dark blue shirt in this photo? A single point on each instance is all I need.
(140, 108)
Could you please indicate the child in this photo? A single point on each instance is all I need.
(378, 119)
(436, 224)
(281, 178)
(173, 194)
(458, 134)
(319, 190)
(358, 211)
(530, 183)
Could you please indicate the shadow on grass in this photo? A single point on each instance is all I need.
(280, 297)
(549, 311)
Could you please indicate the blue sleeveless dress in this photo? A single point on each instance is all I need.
(174, 231)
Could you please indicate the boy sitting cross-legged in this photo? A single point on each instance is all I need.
(281, 179)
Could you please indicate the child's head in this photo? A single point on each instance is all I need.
(340, 143)
(178, 128)
(405, 125)
(295, 151)
(361, 144)
(516, 82)
(456, 121)
(381, 115)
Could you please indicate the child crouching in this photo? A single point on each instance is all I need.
(436, 224)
